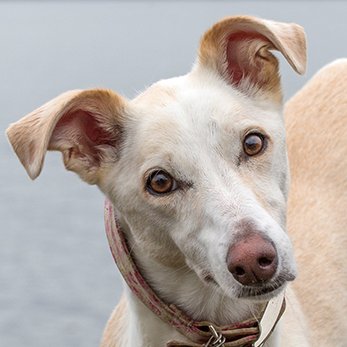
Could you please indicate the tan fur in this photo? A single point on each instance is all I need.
(116, 325)
(316, 120)
(156, 96)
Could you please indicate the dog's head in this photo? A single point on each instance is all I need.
(195, 165)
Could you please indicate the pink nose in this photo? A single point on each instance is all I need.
(252, 260)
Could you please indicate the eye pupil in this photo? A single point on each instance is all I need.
(160, 182)
(253, 144)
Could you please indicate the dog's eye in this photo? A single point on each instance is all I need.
(253, 144)
(160, 182)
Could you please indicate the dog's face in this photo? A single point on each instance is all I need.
(196, 165)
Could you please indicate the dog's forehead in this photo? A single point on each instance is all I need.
(195, 110)
(191, 97)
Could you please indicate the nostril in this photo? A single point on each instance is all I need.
(264, 262)
(239, 271)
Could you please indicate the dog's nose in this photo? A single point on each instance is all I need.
(252, 260)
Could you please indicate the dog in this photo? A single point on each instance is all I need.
(196, 174)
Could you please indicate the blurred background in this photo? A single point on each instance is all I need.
(58, 281)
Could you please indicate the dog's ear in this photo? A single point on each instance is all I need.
(238, 48)
(86, 126)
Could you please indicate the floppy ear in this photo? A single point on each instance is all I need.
(238, 48)
(86, 126)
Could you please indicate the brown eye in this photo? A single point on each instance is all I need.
(253, 144)
(160, 182)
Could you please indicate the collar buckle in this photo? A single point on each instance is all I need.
(216, 340)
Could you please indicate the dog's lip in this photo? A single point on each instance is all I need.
(261, 292)
(266, 290)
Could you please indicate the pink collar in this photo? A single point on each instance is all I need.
(252, 332)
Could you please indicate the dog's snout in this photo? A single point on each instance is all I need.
(252, 260)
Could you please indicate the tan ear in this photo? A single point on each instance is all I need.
(238, 48)
(86, 126)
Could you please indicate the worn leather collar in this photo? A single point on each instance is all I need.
(250, 333)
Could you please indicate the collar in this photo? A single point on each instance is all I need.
(250, 333)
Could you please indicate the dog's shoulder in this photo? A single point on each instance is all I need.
(115, 329)
(322, 101)
(316, 120)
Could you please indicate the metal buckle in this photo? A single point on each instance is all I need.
(216, 340)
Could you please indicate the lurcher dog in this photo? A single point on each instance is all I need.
(196, 172)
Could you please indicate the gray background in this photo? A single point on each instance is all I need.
(58, 282)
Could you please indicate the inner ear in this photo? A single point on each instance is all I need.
(88, 142)
(248, 59)
(82, 134)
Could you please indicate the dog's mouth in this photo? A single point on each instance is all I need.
(264, 291)
(254, 292)
(261, 291)
(257, 292)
